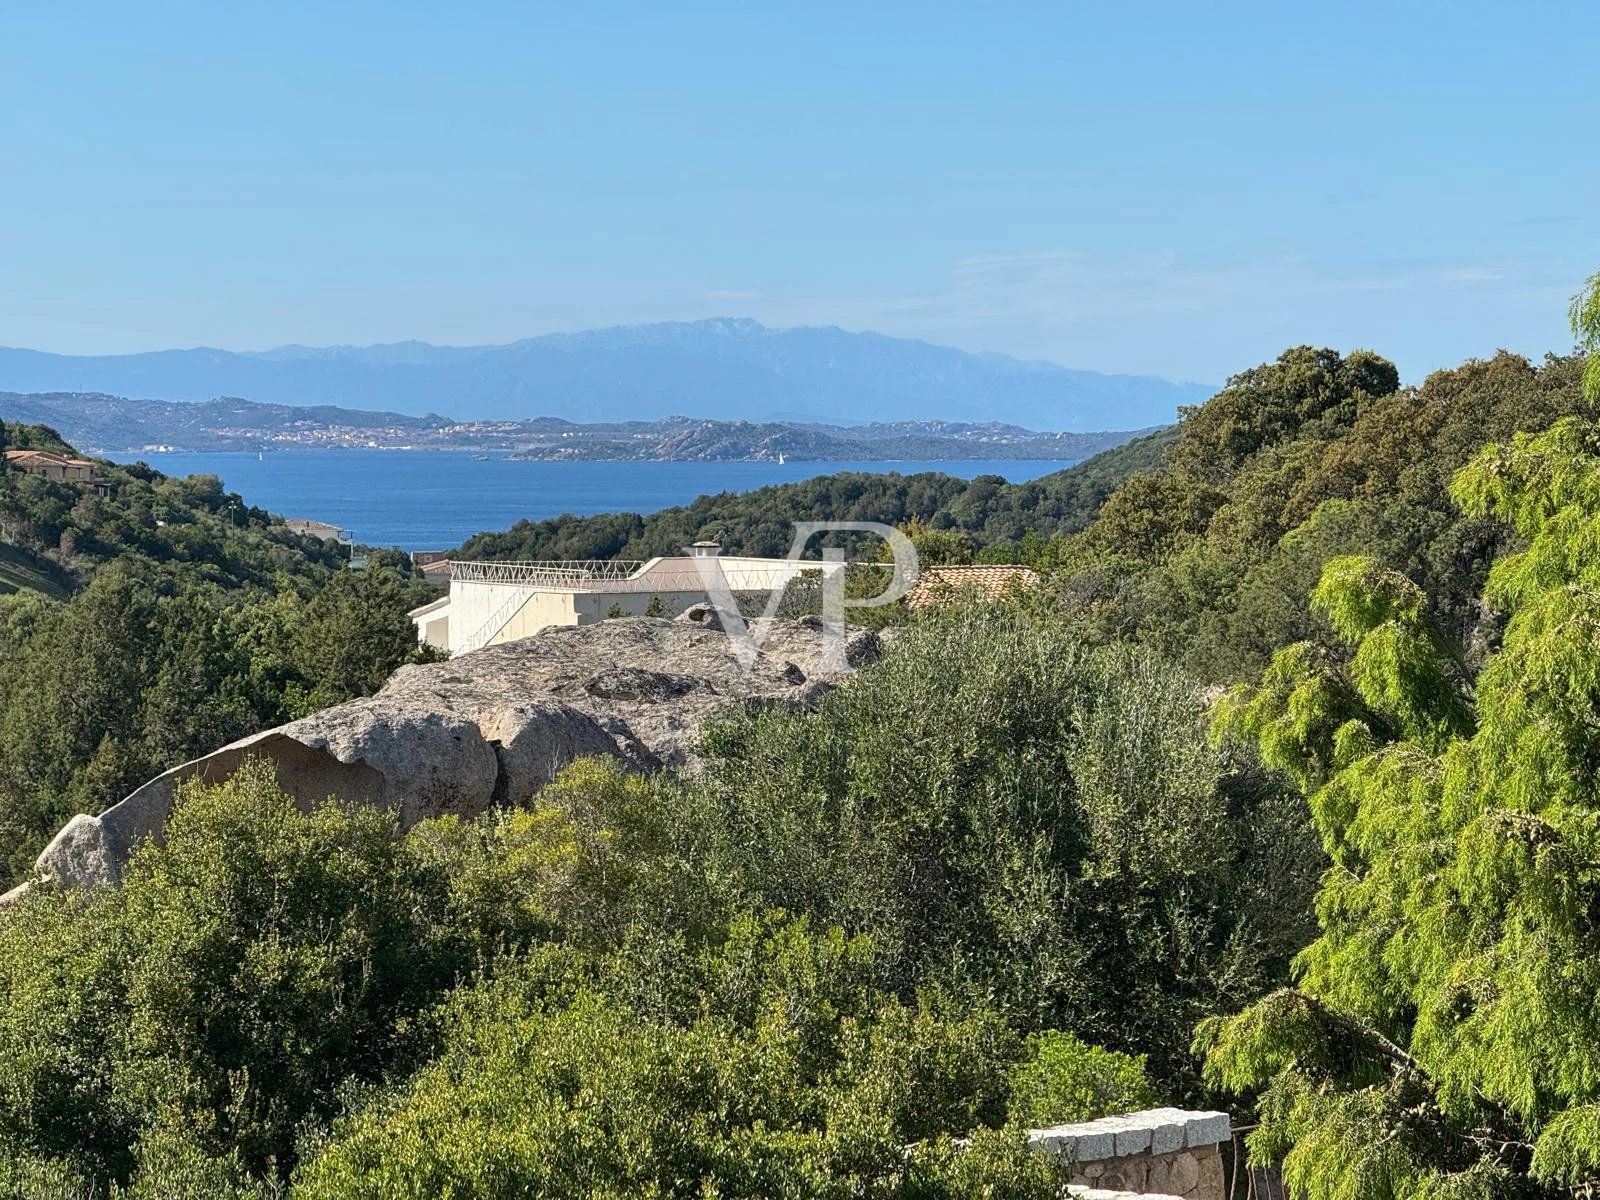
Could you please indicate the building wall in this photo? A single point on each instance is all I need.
(1182, 1174)
(61, 474)
(1162, 1153)
(474, 604)
(541, 610)
(435, 630)
(471, 604)
(596, 606)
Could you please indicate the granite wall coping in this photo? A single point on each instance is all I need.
(1153, 1131)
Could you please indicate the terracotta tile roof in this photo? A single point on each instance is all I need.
(937, 584)
(44, 458)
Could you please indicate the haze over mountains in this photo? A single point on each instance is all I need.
(723, 368)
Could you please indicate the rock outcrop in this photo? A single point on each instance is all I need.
(493, 726)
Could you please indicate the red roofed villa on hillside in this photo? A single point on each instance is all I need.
(53, 466)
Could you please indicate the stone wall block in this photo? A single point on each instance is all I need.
(1206, 1129)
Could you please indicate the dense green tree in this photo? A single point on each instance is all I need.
(1274, 401)
(1062, 1079)
(244, 971)
(935, 547)
(352, 633)
(148, 522)
(1443, 1039)
(1586, 325)
(1016, 815)
(489, 1008)
(1149, 519)
(1211, 560)
(987, 510)
(768, 1066)
(137, 674)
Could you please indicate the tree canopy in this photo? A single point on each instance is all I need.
(158, 621)
(1443, 1039)
(825, 967)
(1019, 871)
(1210, 559)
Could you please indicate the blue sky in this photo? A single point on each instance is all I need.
(1179, 189)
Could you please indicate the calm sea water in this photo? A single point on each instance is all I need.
(427, 500)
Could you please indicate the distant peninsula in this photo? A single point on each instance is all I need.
(116, 424)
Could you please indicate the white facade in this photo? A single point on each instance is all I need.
(494, 602)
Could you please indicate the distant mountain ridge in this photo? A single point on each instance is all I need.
(721, 369)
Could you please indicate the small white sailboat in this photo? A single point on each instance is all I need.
(780, 458)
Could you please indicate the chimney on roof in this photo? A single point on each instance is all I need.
(705, 550)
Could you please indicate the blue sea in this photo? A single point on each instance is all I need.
(436, 499)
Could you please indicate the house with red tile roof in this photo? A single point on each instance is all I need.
(989, 581)
(53, 466)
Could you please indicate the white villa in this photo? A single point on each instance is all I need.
(493, 602)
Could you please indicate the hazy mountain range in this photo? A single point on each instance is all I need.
(97, 422)
(725, 369)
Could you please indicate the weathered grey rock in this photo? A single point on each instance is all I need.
(635, 683)
(494, 726)
(82, 852)
(15, 895)
(708, 615)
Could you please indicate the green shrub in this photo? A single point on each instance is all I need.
(1063, 1079)
(1014, 815)
(780, 1074)
(259, 961)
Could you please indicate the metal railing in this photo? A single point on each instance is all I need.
(619, 576)
(553, 573)
(1251, 1183)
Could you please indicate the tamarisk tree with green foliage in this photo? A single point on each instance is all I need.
(1586, 324)
(1444, 1039)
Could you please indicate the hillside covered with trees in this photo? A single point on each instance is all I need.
(155, 618)
(995, 514)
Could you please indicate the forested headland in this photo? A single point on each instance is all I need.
(157, 618)
(1277, 794)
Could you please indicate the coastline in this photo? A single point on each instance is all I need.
(433, 499)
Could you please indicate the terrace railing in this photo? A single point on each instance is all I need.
(552, 573)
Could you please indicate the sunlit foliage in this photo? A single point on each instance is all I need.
(1444, 1040)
